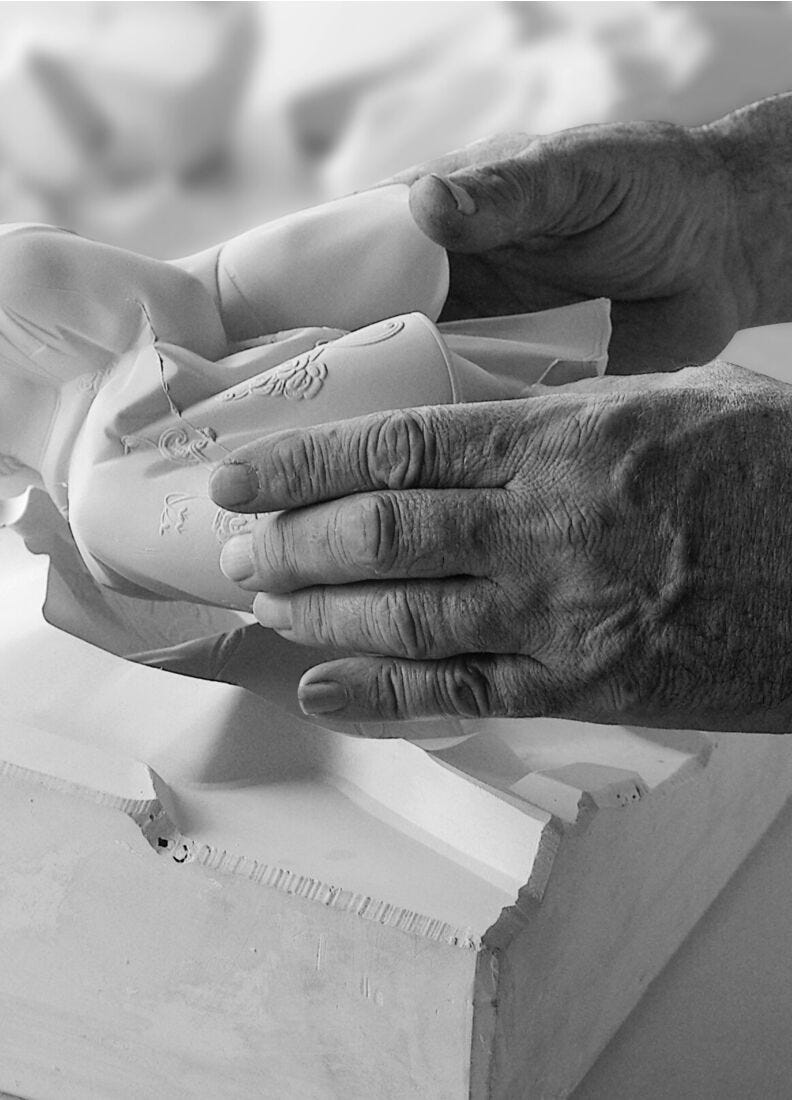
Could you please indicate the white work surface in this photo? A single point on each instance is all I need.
(715, 1025)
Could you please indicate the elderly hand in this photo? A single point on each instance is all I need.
(616, 552)
(689, 231)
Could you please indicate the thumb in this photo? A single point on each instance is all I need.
(504, 203)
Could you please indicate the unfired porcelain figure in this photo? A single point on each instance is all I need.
(325, 910)
(124, 379)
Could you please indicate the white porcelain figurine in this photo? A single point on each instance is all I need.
(124, 380)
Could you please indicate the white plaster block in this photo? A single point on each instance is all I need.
(265, 904)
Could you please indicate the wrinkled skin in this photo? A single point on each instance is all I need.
(615, 550)
(670, 223)
(576, 555)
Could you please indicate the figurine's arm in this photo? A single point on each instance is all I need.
(72, 304)
(346, 264)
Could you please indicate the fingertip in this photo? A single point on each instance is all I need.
(234, 484)
(463, 200)
(319, 697)
(441, 209)
(274, 610)
(237, 561)
(335, 692)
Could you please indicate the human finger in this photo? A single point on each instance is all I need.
(390, 689)
(442, 446)
(369, 536)
(553, 188)
(548, 190)
(484, 151)
(412, 619)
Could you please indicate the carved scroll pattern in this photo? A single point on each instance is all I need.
(92, 383)
(373, 334)
(186, 444)
(225, 524)
(183, 444)
(298, 380)
(174, 513)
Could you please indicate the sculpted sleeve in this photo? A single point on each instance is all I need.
(346, 264)
(70, 305)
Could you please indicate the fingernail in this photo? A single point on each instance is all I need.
(236, 559)
(235, 483)
(322, 697)
(464, 202)
(273, 611)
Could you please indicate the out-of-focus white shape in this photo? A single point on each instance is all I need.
(322, 60)
(146, 217)
(708, 60)
(166, 217)
(19, 202)
(314, 45)
(100, 101)
(480, 81)
(578, 63)
(767, 350)
(645, 49)
(139, 89)
(677, 43)
(44, 140)
(168, 77)
(650, 44)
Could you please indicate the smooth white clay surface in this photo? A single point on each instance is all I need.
(122, 396)
(345, 264)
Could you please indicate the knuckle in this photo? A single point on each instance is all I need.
(300, 464)
(504, 182)
(397, 449)
(274, 554)
(370, 536)
(391, 695)
(634, 693)
(464, 689)
(497, 618)
(314, 620)
(506, 443)
(292, 464)
(403, 626)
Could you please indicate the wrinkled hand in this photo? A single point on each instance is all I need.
(616, 552)
(688, 231)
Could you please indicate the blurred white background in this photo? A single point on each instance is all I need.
(166, 126)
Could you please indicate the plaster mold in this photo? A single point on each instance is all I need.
(541, 871)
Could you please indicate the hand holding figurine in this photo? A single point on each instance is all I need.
(612, 550)
(686, 230)
(607, 552)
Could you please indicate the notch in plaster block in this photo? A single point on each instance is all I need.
(63, 764)
(566, 791)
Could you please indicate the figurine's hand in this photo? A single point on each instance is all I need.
(616, 552)
(688, 231)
